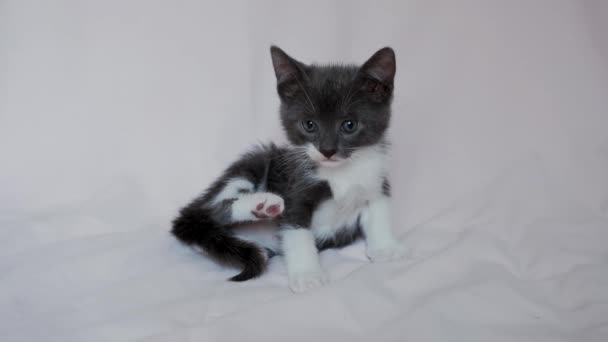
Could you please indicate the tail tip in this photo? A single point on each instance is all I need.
(243, 276)
(250, 272)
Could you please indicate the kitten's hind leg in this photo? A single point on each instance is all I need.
(238, 203)
(207, 221)
(210, 221)
(257, 206)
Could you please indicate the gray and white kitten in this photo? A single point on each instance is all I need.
(325, 190)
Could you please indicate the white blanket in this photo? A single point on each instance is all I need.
(114, 114)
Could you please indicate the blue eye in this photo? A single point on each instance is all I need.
(349, 126)
(309, 126)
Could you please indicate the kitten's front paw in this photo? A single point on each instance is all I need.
(395, 251)
(300, 282)
(267, 205)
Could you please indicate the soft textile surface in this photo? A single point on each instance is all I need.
(113, 114)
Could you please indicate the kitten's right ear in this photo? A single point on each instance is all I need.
(378, 75)
(288, 71)
(381, 66)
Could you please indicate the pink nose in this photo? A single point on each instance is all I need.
(328, 153)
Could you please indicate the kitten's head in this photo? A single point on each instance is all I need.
(334, 110)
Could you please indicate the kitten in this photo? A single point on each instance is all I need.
(324, 191)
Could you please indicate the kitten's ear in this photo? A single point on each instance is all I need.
(381, 66)
(288, 72)
(379, 74)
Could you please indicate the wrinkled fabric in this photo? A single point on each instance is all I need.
(114, 114)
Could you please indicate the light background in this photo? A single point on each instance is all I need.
(113, 114)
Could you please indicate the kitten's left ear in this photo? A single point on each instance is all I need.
(381, 66)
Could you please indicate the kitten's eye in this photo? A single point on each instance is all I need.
(349, 126)
(309, 126)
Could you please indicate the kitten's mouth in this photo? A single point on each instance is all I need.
(332, 162)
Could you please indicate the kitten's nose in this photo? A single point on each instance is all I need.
(328, 152)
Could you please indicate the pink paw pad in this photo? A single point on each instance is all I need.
(273, 210)
(265, 210)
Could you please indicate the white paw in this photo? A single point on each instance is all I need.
(300, 282)
(266, 205)
(395, 251)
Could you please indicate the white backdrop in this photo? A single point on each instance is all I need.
(113, 114)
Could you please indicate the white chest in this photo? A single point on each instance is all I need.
(352, 186)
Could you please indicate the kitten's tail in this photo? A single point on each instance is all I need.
(195, 226)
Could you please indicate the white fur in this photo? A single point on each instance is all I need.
(354, 183)
(335, 214)
(233, 189)
(365, 168)
(302, 259)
